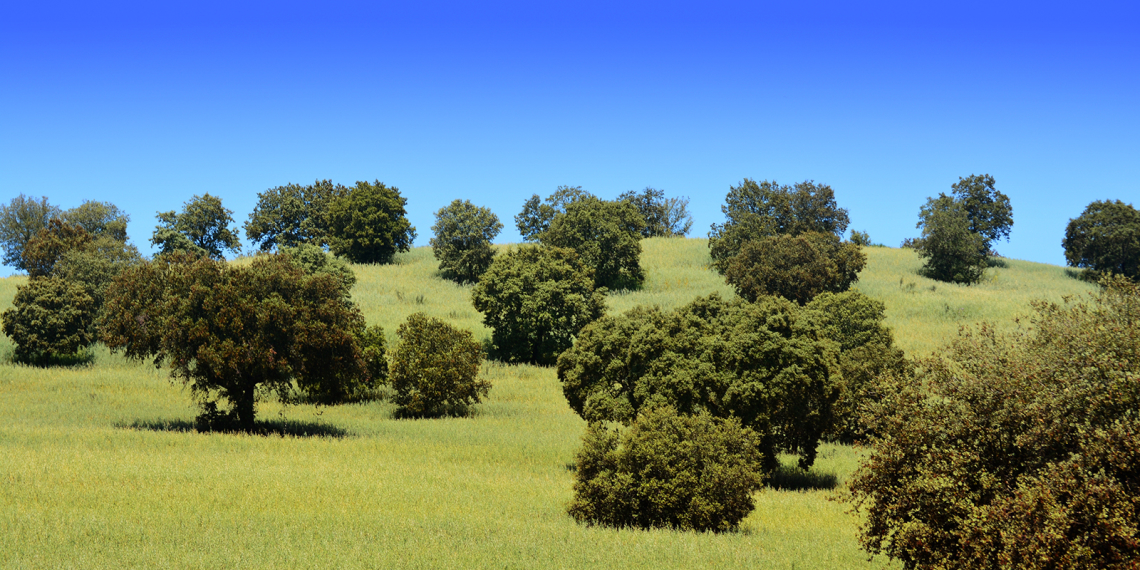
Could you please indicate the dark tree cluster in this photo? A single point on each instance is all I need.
(958, 230)
(462, 242)
(1105, 239)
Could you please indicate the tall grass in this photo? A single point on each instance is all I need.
(99, 468)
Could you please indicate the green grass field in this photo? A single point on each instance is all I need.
(99, 467)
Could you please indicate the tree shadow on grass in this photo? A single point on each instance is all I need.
(792, 478)
(278, 427)
(81, 359)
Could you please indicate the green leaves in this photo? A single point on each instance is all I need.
(606, 236)
(291, 215)
(435, 368)
(368, 223)
(49, 317)
(953, 252)
(202, 228)
(1105, 238)
(462, 241)
(20, 220)
(796, 268)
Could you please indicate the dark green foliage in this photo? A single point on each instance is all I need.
(535, 299)
(755, 210)
(688, 472)
(752, 361)
(368, 224)
(462, 242)
(100, 219)
(1105, 238)
(49, 244)
(607, 237)
(49, 317)
(1014, 451)
(664, 217)
(854, 321)
(313, 260)
(796, 268)
(988, 210)
(235, 332)
(952, 251)
(435, 368)
(536, 216)
(291, 215)
(373, 349)
(21, 220)
(202, 228)
(862, 239)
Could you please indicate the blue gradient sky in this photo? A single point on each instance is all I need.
(145, 105)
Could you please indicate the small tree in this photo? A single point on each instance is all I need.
(988, 210)
(536, 216)
(49, 244)
(462, 242)
(49, 317)
(313, 260)
(664, 217)
(752, 361)
(687, 472)
(291, 215)
(535, 299)
(435, 368)
(607, 237)
(1105, 238)
(755, 210)
(952, 251)
(368, 224)
(795, 268)
(1013, 451)
(20, 221)
(202, 228)
(100, 219)
(234, 332)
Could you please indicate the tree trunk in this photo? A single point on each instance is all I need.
(243, 409)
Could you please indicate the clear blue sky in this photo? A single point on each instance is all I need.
(147, 104)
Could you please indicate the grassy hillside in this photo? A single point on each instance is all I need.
(99, 467)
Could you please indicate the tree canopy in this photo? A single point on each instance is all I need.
(20, 220)
(664, 217)
(368, 224)
(462, 240)
(290, 215)
(536, 215)
(952, 251)
(1105, 238)
(202, 228)
(100, 219)
(754, 210)
(607, 237)
(796, 268)
(49, 317)
(988, 210)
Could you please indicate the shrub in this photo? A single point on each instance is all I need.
(435, 368)
(21, 220)
(606, 235)
(237, 332)
(854, 321)
(795, 268)
(862, 239)
(202, 228)
(688, 472)
(292, 215)
(535, 299)
(368, 224)
(462, 242)
(752, 361)
(1105, 238)
(535, 217)
(49, 317)
(952, 251)
(664, 217)
(313, 260)
(1014, 451)
(755, 210)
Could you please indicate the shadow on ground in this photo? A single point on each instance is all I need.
(792, 478)
(291, 428)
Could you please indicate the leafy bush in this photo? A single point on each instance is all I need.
(291, 215)
(236, 332)
(1105, 238)
(688, 472)
(202, 228)
(535, 217)
(866, 351)
(664, 217)
(49, 317)
(952, 251)
(462, 242)
(313, 260)
(535, 299)
(606, 235)
(369, 224)
(755, 210)
(373, 350)
(21, 220)
(752, 361)
(862, 239)
(435, 368)
(795, 268)
(1014, 451)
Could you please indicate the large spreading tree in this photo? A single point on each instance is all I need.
(291, 215)
(202, 228)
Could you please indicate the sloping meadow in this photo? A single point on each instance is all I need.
(100, 465)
